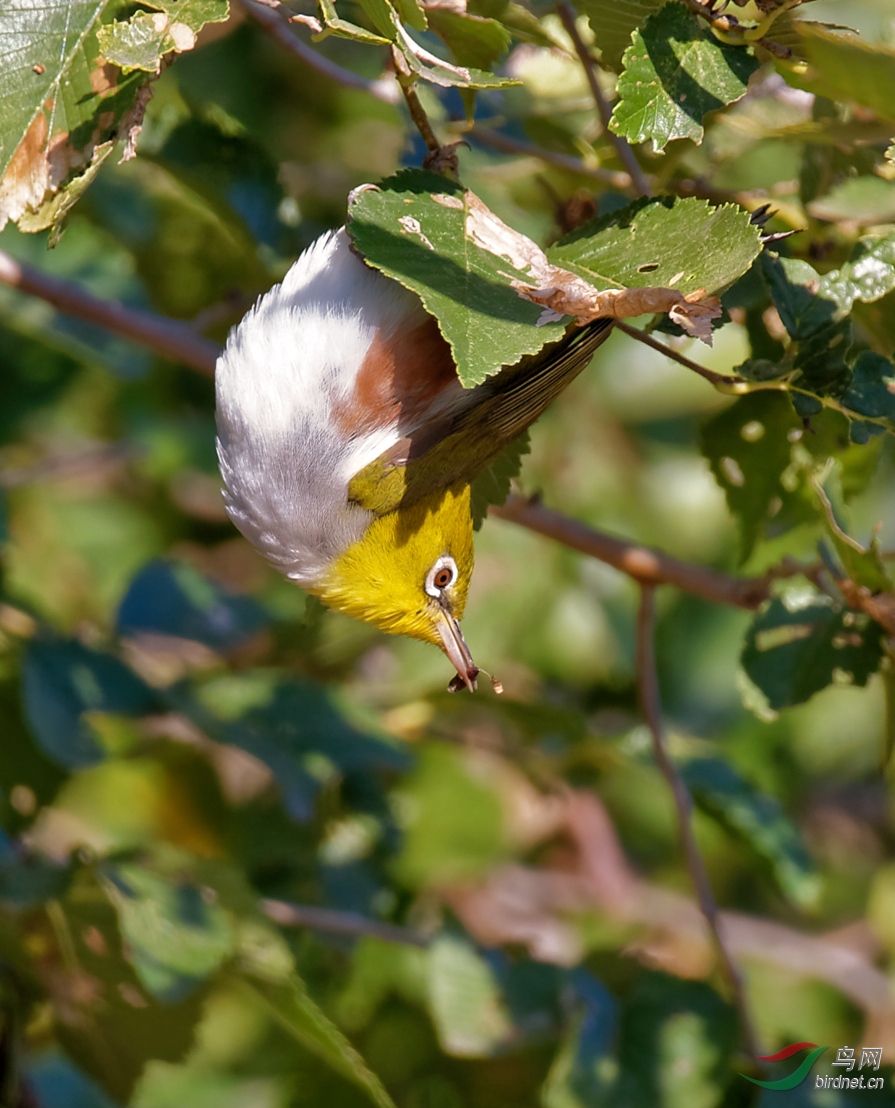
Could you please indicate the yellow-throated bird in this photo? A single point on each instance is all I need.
(347, 444)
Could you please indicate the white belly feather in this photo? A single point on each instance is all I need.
(295, 357)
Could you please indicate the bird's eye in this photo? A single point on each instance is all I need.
(441, 576)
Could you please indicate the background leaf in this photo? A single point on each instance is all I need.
(674, 73)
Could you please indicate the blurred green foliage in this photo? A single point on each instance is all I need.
(192, 748)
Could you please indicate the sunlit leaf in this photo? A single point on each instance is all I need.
(176, 934)
(464, 995)
(453, 821)
(683, 244)
(289, 1003)
(64, 101)
(674, 73)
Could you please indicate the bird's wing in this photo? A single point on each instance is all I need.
(457, 441)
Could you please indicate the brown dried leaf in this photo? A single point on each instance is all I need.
(563, 293)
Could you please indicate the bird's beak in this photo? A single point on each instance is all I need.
(454, 645)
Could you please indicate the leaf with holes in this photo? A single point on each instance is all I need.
(685, 244)
(797, 646)
(146, 37)
(64, 100)
(748, 448)
(675, 72)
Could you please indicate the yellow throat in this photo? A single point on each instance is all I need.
(383, 577)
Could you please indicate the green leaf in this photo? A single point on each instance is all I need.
(174, 935)
(59, 92)
(871, 392)
(295, 728)
(173, 598)
(868, 275)
(794, 286)
(757, 820)
(291, 1006)
(471, 39)
(493, 485)
(389, 29)
(119, 1027)
(748, 448)
(613, 22)
(145, 38)
(675, 72)
(859, 200)
(676, 1041)
(413, 229)
(845, 67)
(453, 821)
(798, 645)
(468, 1011)
(682, 243)
(581, 1073)
(63, 681)
(863, 566)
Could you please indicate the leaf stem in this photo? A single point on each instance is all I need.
(625, 153)
(683, 804)
(272, 17)
(288, 914)
(507, 145)
(735, 386)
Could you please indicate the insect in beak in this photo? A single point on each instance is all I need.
(454, 645)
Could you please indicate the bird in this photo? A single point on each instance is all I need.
(347, 444)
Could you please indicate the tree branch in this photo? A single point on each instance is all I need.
(625, 153)
(644, 564)
(177, 341)
(506, 145)
(168, 337)
(683, 804)
(341, 923)
(270, 17)
(734, 386)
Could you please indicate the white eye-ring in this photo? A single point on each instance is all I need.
(441, 576)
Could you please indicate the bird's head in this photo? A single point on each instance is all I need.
(409, 574)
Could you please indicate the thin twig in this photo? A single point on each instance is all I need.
(273, 21)
(179, 342)
(628, 158)
(341, 923)
(612, 177)
(730, 385)
(683, 804)
(168, 337)
(644, 564)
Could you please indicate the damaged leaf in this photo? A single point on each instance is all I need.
(798, 646)
(143, 40)
(498, 296)
(65, 103)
